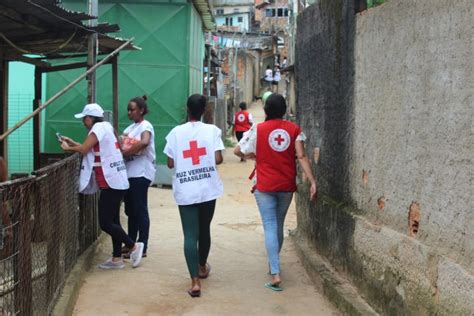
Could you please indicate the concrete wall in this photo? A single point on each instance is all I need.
(386, 100)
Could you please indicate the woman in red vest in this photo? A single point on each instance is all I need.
(243, 120)
(275, 143)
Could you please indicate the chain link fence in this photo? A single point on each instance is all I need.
(46, 225)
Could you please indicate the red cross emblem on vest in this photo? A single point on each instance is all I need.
(194, 152)
(279, 140)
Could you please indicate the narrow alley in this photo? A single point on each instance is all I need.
(238, 260)
(359, 113)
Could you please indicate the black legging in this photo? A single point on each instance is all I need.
(136, 208)
(109, 219)
(239, 135)
(196, 220)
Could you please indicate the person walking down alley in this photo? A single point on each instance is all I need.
(138, 148)
(194, 149)
(274, 144)
(276, 79)
(243, 120)
(268, 77)
(103, 168)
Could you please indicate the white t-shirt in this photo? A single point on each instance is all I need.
(192, 146)
(268, 75)
(277, 76)
(143, 163)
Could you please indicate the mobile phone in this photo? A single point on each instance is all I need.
(60, 138)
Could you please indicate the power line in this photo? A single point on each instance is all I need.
(24, 51)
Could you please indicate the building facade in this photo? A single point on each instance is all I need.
(234, 15)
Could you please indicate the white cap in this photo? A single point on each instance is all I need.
(92, 109)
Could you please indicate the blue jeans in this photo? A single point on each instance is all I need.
(136, 208)
(273, 207)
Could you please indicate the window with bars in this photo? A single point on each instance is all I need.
(276, 12)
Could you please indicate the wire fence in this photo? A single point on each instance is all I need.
(46, 225)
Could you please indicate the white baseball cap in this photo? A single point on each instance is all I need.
(92, 109)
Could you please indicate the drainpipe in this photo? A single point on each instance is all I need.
(209, 52)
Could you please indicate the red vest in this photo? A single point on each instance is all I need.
(241, 121)
(276, 156)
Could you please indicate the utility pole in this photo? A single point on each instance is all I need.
(92, 50)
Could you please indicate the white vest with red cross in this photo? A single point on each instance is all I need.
(242, 121)
(112, 162)
(192, 147)
(276, 156)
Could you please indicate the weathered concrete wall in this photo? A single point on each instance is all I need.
(386, 99)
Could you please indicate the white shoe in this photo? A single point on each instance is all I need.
(109, 264)
(137, 254)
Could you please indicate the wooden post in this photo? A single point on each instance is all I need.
(3, 105)
(115, 91)
(36, 119)
(92, 53)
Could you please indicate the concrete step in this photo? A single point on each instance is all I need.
(334, 286)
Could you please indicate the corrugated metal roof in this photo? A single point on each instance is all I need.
(41, 27)
(205, 10)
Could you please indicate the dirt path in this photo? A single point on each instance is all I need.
(238, 259)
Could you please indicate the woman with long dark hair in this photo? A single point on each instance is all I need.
(274, 144)
(103, 168)
(194, 149)
(138, 148)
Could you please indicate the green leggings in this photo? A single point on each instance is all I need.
(196, 220)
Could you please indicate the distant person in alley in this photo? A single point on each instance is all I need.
(265, 96)
(276, 144)
(243, 120)
(268, 77)
(103, 168)
(138, 148)
(194, 149)
(276, 79)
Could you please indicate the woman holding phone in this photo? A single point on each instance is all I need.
(103, 168)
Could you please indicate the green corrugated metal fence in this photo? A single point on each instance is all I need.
(167, 69)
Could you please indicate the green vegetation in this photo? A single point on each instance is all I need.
(229, 143)
(374, 3)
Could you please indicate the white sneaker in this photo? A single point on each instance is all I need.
(137, 254)
(109, 264)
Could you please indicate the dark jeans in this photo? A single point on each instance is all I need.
(136, 208)
(239, 135)
(109, 219)
(196, 220)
